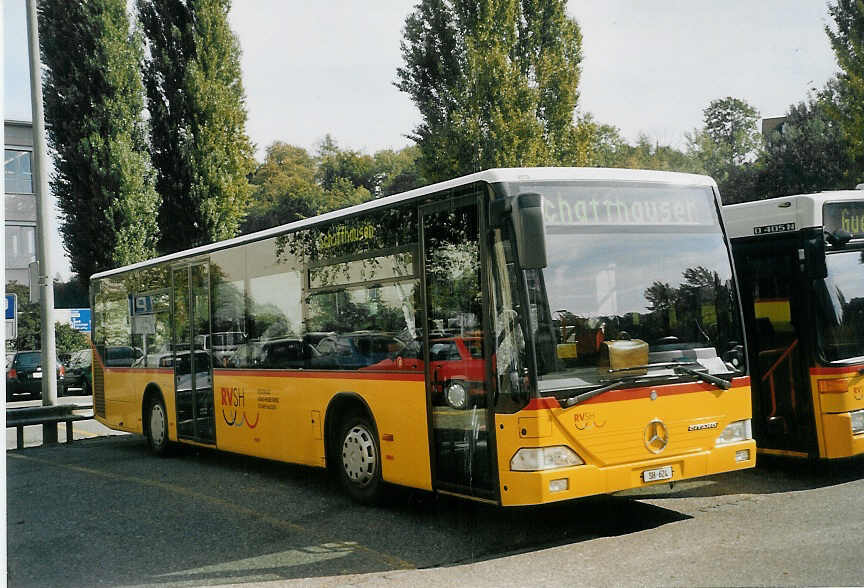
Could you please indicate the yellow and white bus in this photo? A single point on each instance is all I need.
(518, 336)
(800, 266)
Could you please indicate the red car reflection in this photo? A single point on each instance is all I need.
(456, 368)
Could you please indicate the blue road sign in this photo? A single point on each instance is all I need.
(79, 318)
(11, 306)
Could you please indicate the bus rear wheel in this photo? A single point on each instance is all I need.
(157, 427)
(360, 460)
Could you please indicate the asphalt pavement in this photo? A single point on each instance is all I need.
(104, 511)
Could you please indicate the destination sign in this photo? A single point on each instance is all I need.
(844, 216)
(778, 228)
(628, 207)
(342, 235)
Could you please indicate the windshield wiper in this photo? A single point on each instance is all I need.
(576, 399)
(679, 368)
(719, 382)
(647, 366)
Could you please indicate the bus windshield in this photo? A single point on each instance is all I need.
(637, 275)
(841, 323)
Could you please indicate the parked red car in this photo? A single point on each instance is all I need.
(456, 368)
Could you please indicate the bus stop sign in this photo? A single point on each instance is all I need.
(11, 316)
(11, 306)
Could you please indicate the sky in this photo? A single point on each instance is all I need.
(312, 68)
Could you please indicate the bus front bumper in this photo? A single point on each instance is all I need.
(526, 488)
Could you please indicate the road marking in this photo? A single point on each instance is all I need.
(79, 431)
(391, 560)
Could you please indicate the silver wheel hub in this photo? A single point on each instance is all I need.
(457, 396)
(157, 424)
(359, 458)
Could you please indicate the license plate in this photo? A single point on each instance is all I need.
(664, 473)
(37, 375)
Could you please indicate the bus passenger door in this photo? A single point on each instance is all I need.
(774, 310)
(456, 385)
(193, 370)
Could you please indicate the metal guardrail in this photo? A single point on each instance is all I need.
(44, 415)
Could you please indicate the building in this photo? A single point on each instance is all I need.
(772, 124)
(19, 200)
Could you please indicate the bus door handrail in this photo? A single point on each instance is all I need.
(770, 373)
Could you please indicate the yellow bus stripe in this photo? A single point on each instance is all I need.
(390, 560)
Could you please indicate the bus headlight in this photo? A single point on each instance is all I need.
(735, 432)
(857, 421)
(533, 459)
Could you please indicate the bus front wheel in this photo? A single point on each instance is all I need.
(157, 427)
(360, 460)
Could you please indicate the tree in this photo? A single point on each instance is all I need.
(730, 124)
(284, 188)
(197, 120)
(68, 339)
(398, 171)
(496, 84)
(353, 166)
(807, 153)
(726, 146)
(847, 40)
(103, 178)
(608, 148)
(291, 184)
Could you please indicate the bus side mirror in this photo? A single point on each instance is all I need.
(530, 234)
(814, 257)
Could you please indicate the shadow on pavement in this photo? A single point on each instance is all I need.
(203, 517)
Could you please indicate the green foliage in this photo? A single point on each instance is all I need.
(726, 144)
(284, 188)
(197, 120)
(847, 40)
(335, 165)
(398, 171)
(496, 84)
(103, 178)
(609, 149)
(291, 184)
(68, 339)
(730, 125)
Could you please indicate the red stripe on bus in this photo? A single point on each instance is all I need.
(825, 371)
(346, 375)
(131, 370)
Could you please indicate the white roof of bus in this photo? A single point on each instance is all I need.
(805, 210)
(521, 174)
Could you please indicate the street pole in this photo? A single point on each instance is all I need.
(43, 217)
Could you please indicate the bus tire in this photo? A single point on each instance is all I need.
(359, 459)
(157, 427)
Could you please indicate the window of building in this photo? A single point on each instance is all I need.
(19, 175)
(20, 246)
